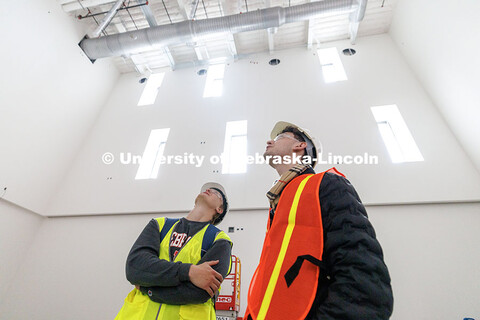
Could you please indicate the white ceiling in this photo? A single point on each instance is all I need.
(315, 32)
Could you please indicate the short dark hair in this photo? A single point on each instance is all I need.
(298, 135)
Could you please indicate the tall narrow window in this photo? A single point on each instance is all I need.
(235, 148)
(152, 154)
(332, 67)
(214, 82)
(150, 91)
(395, 134)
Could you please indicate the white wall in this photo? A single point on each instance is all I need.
(440, 41)
(338, 114)
(50, 96)
(18, 228)
(75, 268)
(432, 255)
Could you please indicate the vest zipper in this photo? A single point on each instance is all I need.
(158, 312)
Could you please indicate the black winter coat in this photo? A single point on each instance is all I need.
(355, 283)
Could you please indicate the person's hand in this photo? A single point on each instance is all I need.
(205, 277)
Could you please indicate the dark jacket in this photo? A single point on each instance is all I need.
(355, 284)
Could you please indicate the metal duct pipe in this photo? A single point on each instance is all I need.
(106, 20)
(186, 31)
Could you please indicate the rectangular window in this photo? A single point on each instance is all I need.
(395, 134)
(235, 147)
(151, 89)
(152, 154)
(332, 67)
(214, 82)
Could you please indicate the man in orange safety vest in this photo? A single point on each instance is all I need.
(320, 258)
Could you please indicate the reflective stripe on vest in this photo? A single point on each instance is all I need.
(295, 231)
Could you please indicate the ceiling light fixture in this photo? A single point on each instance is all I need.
(274, 62)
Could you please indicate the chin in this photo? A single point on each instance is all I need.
(270, 162)
(267, 153)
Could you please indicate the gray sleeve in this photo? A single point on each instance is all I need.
(145, 268)
(187, 292)
(221, 250)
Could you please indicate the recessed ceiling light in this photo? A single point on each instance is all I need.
(274, 62)
(349, 52)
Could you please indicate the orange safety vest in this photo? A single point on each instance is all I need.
(281, 288)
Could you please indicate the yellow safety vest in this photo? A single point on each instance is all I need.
(138, 305)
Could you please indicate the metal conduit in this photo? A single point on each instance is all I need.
(131, 42)
(106, 20)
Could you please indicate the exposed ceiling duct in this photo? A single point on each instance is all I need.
(154, 38)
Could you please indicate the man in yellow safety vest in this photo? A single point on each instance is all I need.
(177, 265)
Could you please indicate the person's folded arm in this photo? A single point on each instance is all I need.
(145, 268)
(186, 292)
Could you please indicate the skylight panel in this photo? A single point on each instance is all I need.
(332, 67)
(153, 154)
(214, 82)
(150, 91)
(395, 134)
(235, 147)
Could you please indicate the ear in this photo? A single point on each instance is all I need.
(218, 210)
(299, 146)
